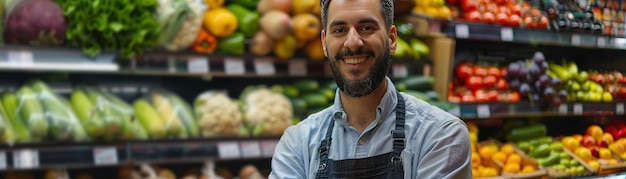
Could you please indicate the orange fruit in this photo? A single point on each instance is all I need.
(508, 149)
(511, 167)
(486, 151)
(475, 160)
(489, 172)
(475, 173)
(499, 156)
(528, 169)
(514, 158)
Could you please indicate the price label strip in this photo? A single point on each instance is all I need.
(267, 148)
(228, 150)
(601, 42)
(619, 109)
(250, 149)
(575, 40)
(482, 111)
(3, 160)
(20, 58)
(462, 31)
(25, 158)
(400, 71)
(105, 156)
(506, 34)
(264, 67)
(234, 66)
(578, 109)
(563, 109)
(297, 67)
(198, 65)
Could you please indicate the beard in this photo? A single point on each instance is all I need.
(367, 85)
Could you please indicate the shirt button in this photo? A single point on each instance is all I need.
(361, 141)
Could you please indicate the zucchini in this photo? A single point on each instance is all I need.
(315, 100)
(526, 132)
(307, 85)
(419, 83)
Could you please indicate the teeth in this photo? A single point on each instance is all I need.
(354, 60)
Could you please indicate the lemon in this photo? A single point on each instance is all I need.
(514, 158)
(511, 167)
(528, 169)
(499, 156)
(507, 149)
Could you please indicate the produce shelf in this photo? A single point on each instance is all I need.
(529, 110)
(493, 32)
(30, 58)
(98, 154)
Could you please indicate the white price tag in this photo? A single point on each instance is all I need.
(601, 42)
(619, 109)
(578, 109)
(267, 147)
(198, 65)
(250, 149)
(575, 40)
(506, 34)
(297, 67)
(482, 111)
(20, 58)
(264, 67)
(563, 109)
(105, 155)
(228, 150)
(234, 66)
(3, 160)
(462, 31)
(25, 158)
(400, 71)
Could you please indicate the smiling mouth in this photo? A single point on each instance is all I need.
(355, 60)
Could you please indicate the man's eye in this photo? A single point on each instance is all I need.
(367, 28)
(338, 30)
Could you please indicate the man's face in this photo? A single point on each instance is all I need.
(358, 45)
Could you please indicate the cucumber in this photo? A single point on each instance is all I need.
(307, 85)
(526, 132)
(315, 100)
(543, 150)
(290, 91)
(419, 83)
(551, 159)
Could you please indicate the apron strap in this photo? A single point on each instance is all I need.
(323, 151)
(398, 133)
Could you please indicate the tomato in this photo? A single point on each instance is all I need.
(492, 95)
(473, 16)
(501, 2)
(469, 5)
(534, 12)
(502, 18)
(489, 81)
(514, 20)
(514, 96)
(492, 70)
(516, 9)
(503, 71)
(501, 84)
(493, 8)
(468, 98)
(454, 98)
(480, 71)
(543, 22)
(504, 9)
(463, 71)
(489, 18)
(528, 21)
(481, 96)
(474, 82)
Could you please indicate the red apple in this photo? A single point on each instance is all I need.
(595, 151)
(588, 141)
(605, 140)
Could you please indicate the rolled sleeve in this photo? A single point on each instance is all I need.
(448, 155)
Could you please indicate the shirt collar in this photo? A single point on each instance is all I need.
(385, 107)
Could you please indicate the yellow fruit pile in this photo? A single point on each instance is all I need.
(482, 165)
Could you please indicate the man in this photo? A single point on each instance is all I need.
(371, 130)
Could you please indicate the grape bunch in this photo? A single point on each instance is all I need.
(530, 79)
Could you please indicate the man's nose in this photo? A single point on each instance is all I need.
(353, 41)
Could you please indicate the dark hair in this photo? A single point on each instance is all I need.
(386, 10)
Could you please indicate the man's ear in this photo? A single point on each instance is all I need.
(393, 35)
(323, 38)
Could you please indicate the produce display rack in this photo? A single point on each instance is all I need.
(51, 155)
(476, 111)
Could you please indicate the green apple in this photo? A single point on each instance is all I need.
(564, 155)
(556, 146)
(565, 162)
(574, 162)
(580, 170)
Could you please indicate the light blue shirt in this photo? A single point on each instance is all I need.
(437, 143)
